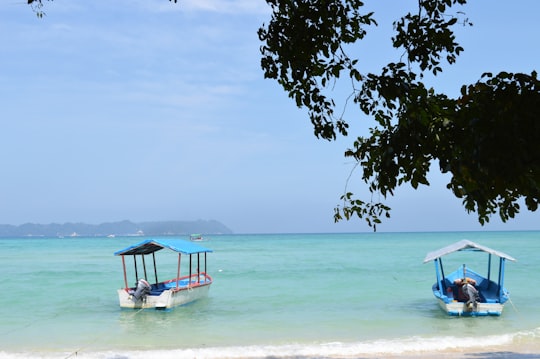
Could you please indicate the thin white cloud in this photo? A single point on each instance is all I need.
(218, 6)
(231, 6)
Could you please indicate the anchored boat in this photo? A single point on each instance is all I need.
(153, 293)
(464, 291)
(196, 237)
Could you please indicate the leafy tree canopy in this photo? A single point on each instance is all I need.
(487, 138)
(37, 6)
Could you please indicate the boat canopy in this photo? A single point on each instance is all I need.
(153, 245)
(463, 245)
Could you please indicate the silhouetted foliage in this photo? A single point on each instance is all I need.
(487, 138)
(37, 6)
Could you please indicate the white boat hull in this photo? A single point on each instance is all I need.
(167, 299)
(456, 308)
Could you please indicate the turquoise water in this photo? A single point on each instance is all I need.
(324, 295)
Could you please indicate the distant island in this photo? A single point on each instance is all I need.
(112, 229)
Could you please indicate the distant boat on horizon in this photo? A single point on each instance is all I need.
(197, 237)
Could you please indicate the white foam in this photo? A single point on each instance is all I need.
(411, 346)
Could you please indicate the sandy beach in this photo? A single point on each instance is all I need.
(506, 352)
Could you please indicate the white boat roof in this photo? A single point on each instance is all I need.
(464, 244)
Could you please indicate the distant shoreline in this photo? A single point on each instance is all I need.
(113, 229)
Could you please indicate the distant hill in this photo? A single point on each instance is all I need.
(122, 228)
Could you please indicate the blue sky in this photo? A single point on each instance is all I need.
(149, 110)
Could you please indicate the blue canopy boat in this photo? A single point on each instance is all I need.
(166, 294)
(464, 291)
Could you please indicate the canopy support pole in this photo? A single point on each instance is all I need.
(489, 270)
(155, 269)
(136, 270)
(178, 271)
(144, 267)
(125, 275)
(442, 268)
(501, 277)
(198, 267)
(189, 279)
(438, 275)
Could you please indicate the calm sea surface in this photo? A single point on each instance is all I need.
(282, 295)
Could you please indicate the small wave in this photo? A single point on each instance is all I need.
(375, 348)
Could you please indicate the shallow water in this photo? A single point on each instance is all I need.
(329, 295)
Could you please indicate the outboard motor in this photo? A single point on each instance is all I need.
(472, 293)
(142, 289)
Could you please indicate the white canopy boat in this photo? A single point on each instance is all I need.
(169, 293)
(464, 292)
(196, 237)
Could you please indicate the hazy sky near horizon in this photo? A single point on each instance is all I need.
(148, 110)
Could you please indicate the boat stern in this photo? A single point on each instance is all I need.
(455, 308)
(166, 298)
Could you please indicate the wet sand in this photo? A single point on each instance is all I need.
(499, 352)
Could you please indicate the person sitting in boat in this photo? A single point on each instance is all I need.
(468, 292)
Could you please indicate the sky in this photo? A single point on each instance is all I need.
(147, 110)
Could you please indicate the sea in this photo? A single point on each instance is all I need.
(347, 295)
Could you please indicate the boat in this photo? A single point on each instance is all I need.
(149, 292)
(465, 292)
(196, 237)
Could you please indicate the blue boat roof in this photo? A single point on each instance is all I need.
(153, 245)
